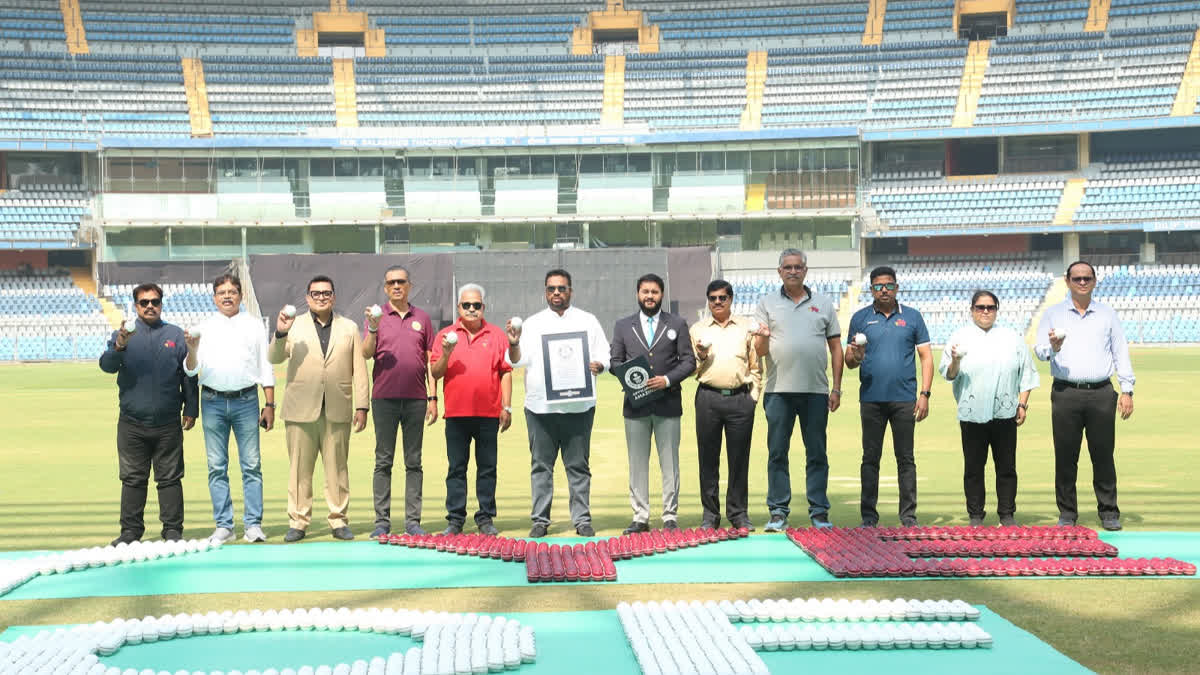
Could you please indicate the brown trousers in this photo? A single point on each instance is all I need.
(305, 440)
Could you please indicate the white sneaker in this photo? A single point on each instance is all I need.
(254, 534)
(221, 535)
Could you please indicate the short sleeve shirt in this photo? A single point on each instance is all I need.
(401, 353)
(472, 382)
(889, 371)
(798, 349)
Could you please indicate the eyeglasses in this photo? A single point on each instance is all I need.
(228, 291)
(471, 305)
(718, 298)
(793, 268)
(879, 287)
(559, 289)
(1083, 280)
(986, 308)
(320, 295)
(395, 282)
(146, 302)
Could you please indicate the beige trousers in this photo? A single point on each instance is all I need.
(305, 440)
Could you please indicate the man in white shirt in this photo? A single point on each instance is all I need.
(231, 364)
(555, 422)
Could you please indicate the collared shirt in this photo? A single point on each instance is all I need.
(233, 353)
(798, 349)
(1094, 348)
(997, 367)
(657, 316)
(731, 360)
(888, 371)
(153, 387)
(323, 331)
(402, 348)
(471, 385)
(548, 322)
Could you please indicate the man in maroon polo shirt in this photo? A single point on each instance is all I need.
(478, 392)
(403, 395)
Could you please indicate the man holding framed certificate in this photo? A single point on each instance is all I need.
(559, 347)
(651, 355)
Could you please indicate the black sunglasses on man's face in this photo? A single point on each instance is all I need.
(146, 302)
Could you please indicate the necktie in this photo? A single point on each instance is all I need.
(650, 329)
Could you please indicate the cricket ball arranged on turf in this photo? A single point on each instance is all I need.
(515, 322)
(860, 339)
(376, 311)
(289, 311)
(130, 326)
(451, 338)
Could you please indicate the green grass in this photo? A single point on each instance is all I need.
(62, 492)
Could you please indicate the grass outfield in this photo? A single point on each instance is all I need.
(62, 492)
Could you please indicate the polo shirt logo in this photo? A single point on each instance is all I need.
(169, 344)
(416, 325)
(814, 309)
(901, 323)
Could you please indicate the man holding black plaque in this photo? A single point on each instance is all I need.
(559, 347)
(651, 355)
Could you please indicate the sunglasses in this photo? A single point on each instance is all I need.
(320, 295)
(880, 287)
(718, 298)
(147, 302)
(1083, 280)
(395, 282)
(471, 305)
(559, 289)
(986, 308)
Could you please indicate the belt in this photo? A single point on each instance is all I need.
(726, 392)
(1084, 385)
(232, 394)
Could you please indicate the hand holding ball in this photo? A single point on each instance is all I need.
(450, 339)
(515, 322)
(130, 326)
(289, 311)
(376, 311)
(287, 316)
(860, 339)
(192, 336)
(960, 350)
(513, 332)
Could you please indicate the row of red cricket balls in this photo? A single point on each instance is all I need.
(1010, 548)
(967, 532)
(511, 549)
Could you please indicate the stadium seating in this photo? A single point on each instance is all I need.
(942, 291)
(183, 304)
(674, 90)
(749, 288)
(934, 203)
(44, 316)
(35, 20)
(1143, 186)
(1051, 11)
(41, 215)
(905, 15)
(269, 95)
(751, 22)
(1156, 303)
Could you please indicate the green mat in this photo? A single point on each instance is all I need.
(369, 566)
(562, 637)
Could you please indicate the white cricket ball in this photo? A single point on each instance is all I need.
(703, 343)
(1060, 333)
(376, 311)
(130, 326)
(451, 338)
(860, 339)
(961, 350)
(289, 311)
(194, 332)
(515, 322)
(754, 326)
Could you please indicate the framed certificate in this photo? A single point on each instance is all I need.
(565, 362)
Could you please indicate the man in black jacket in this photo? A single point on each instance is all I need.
(153, 388)
(663, 339)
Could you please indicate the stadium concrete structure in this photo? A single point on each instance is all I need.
(967, 142)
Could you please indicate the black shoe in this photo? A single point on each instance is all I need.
(909, 522)
(670, 525)
(537, 531)
(636, 527)
(977, 521)
(585, 530)
(710, 523)
(1008, 521)
(1111, 523)
(869, 523)
(742, 524)
(293, 535)
(343, 533)
(172, 535)
(487, 527)
(126, 537)
(452, 528)
(1063, 521)
(415, 530)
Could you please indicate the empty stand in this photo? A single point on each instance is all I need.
(37, 215)
(269, 95)
(974, 70)
(1156, 303)
(756, 21)
(1009, 200)
(676, 91)
(32, 20)
(1143, 186)
(197, 97)
(1189, 85)
(756, 82)
(1052, 11)
(44, 315)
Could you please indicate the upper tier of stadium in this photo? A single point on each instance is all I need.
(86, 70)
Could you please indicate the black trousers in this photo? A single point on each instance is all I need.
(876, 416)
(139, 448)
(407, 414)
(734, 415)
(1073, 413)
(460, 431)
(1001, 436)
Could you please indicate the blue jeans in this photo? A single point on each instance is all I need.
(219, 416)
(782, 410)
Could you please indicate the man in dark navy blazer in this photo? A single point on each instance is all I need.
(663, 339)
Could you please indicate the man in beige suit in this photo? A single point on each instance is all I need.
(327, 391)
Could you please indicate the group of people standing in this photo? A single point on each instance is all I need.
(790, 355)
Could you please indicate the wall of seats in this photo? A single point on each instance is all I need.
(45, 316)
(1143, 186)
(749, 288)
(933, 203)
(41, 215)
(1156, 303)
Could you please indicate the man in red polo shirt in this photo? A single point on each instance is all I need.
(403, 395)
(478, 393)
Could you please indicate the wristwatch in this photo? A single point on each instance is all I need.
(927, 394)
(269, 405)
(1023, 406)
(431, 398)
(508, 409)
